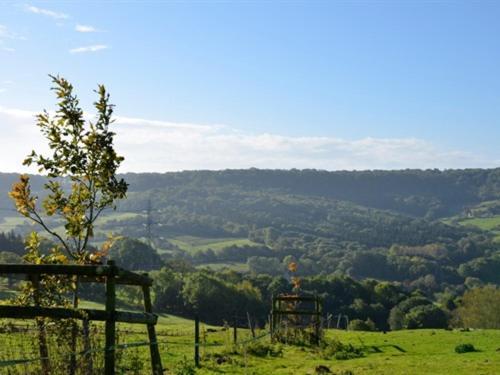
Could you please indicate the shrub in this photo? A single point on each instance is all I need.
(220, 358)
(465, 348)
(260, 349)
(321, 369)
(338, 350)
(184, 367)
(297, 336)
(362, 325)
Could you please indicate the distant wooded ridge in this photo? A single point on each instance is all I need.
(432, 193)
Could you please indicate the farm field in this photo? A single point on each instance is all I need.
(194, 244)
(403, 352)
(190, 244)
(8, 223)
(238, 267)
(490, 224)
(486, 223)
(400, 352)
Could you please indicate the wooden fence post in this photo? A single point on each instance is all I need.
(197, 340)
(274, 318)
(109, 356)
(153, 343)
(74, 330)
(317, 319)
(111, 275)
(42, 335)
(87, 357)
(250, 325)
(235, 329)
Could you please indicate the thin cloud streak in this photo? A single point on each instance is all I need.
(160, 146)
(85, 29)
(8, 35)
(93, 48)
(3, 31)
(46, 12)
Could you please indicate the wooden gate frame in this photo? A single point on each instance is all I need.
(278, 310)
(109, 274)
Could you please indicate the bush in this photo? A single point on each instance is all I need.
(221, 358)
(336, 349)
(362, 325)
(465, 348)
(297, 336)
(260, 349)
(184, 367)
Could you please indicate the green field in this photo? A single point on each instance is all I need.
(397, 353)
(9, 223)
(238, 267)
(486, 223)
(191, 244)
(194, 244)
(490, 224)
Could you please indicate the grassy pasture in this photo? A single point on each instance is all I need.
(398, 353)
(194, 244)
(486, 223)
(113, 215)
(238, 267)
(490, 224)
(9, 223)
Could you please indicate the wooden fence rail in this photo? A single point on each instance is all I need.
(109, 274)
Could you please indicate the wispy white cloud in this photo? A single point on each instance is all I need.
(46, 12)
(3, 31)
(93, 48)
(85, 29)
(5, 86)
(17, 114)
(8, 36)
(155, 145)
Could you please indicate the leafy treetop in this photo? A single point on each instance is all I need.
(83, 155)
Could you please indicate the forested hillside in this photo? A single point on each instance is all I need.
(430, 193)
(380, 224)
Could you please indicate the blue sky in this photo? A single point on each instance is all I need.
(313, 84)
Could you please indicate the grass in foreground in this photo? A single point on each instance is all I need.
(395, 353)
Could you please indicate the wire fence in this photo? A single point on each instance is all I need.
(19, 350)
(136, 344)
(215, 346)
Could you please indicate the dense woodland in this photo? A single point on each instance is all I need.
(374, 244)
